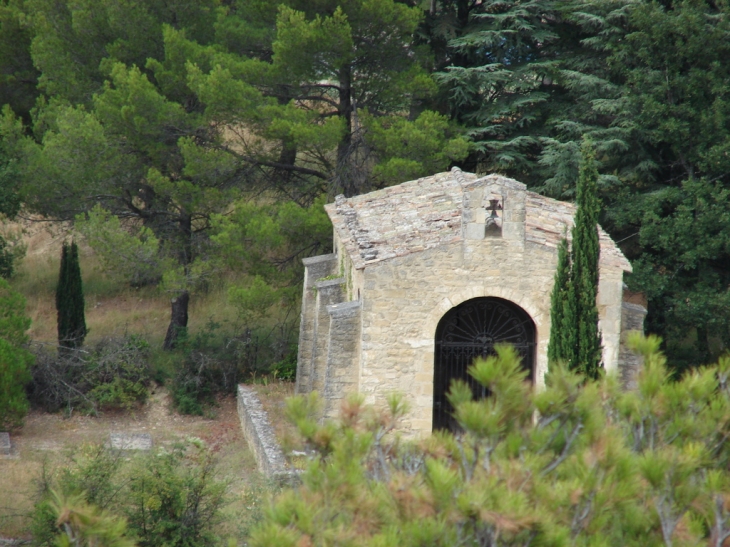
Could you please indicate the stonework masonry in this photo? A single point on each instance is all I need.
(406, 255)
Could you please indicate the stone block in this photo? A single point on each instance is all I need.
(130, 441)
(513, 230)
(474, 231)
(5, 446)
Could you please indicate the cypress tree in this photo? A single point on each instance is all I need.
(70, 300)
(558, 347)
(586, 353)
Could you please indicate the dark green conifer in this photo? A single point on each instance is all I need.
(586, 357)
(557, 347)
(70, 300)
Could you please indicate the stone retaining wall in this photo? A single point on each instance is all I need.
(260, 436)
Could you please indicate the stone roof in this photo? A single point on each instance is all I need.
(425, 213)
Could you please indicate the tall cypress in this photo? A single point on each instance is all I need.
(559, 309)
(70, 300)
(574, 335)
(585, 252)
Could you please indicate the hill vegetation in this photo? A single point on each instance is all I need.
(176, 136)
(189, 147)
(578, 464)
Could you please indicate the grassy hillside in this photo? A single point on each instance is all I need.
(112, 309)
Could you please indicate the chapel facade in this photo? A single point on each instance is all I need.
(428, 275)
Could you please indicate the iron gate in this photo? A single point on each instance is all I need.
(471, 330)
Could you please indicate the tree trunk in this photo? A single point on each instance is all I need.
(343, 149)
(178, 320)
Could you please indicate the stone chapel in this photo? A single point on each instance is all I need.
(428, 275)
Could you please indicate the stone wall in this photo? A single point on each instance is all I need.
(630, 363)
(260, 436)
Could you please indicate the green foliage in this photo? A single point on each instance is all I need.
(585, 355)
(15, 360)
(84, 525)
(70, 300)
(169, 497)
(574, 336)
(407, 149)
(561, 335)
(499, 75)
(286, 369)
(203, 370)
(14, 376)
(131, 257)
(253, 301)
(18, 76)
(578, 463)
(174, 499)
(113, 374)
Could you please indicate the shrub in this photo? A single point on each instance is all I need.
(207, 367)
(113, 374)
(14, 375)
(576, 464)
(14, 358)
(7, 259)
(170, 497)
(211, 362)
(286, 369)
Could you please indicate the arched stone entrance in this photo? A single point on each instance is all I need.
(471, 330)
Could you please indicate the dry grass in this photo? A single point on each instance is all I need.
(112, 309)
(47, 438)
(17, 485)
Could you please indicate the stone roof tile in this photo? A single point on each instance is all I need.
(425, 213)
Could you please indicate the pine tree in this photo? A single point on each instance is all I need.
(70, 300)
(586, 352)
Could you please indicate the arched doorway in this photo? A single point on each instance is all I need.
(471, 330)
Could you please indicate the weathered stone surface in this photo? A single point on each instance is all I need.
(260, 436)
(130, 441)
(408, 254)
(5, 446)
(315, 268)
(343, 350)
(435, 210)
(632, 316)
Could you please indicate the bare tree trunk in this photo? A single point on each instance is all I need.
(343, 149)
(178, 320)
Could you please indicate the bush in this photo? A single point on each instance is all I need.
(580, 463)
(170, 498)
(286, 369)
(14, 358)
(205, 370)
(211, 362)
(113, 374)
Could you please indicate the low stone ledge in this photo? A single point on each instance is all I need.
(130, 441)
(5, 446)
(260, 436)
